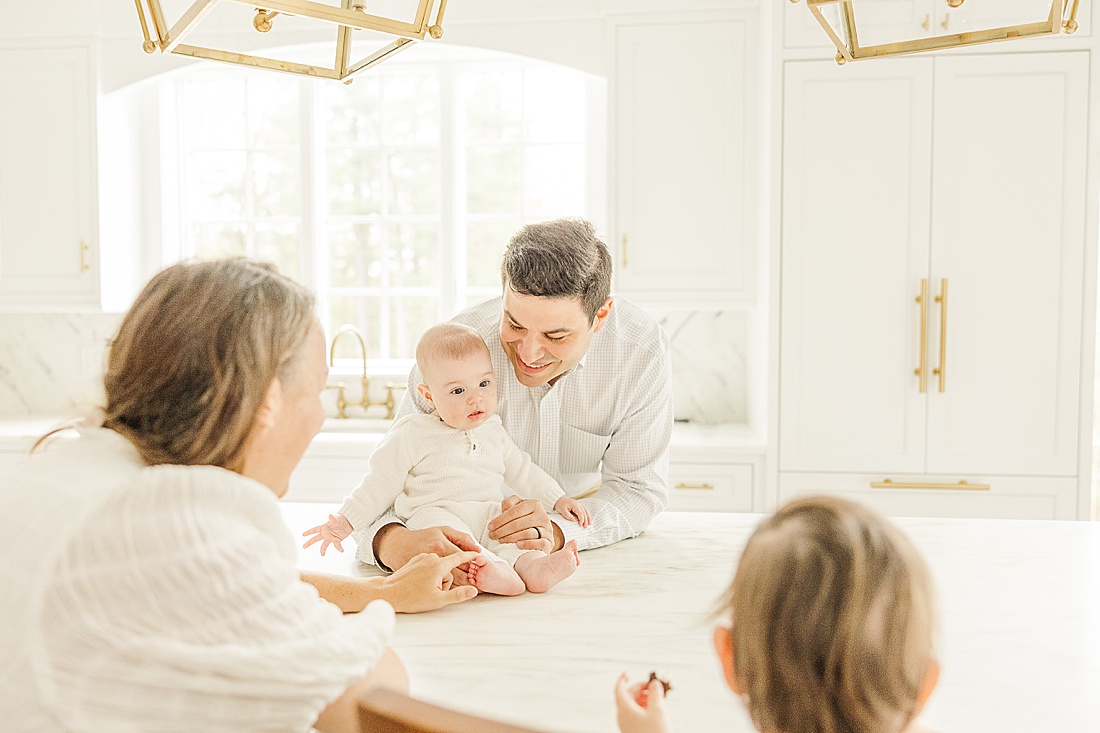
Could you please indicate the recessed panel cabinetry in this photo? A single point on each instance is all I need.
(933, 220)
(889, 21)
(684, 111)
(48, 223)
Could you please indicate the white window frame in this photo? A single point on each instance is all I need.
(452, 287)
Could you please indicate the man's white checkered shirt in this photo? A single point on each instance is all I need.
(602, 430)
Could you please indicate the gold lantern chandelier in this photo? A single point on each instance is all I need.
(840, 21)
(346, 16)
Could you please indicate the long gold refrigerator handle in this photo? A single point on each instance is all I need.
(941, 370)
(922, 370)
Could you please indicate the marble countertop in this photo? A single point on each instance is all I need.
(1019, 609)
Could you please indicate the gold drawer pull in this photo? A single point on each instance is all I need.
(700, 487)
(961, 486)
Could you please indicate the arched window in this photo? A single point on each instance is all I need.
(394, 196)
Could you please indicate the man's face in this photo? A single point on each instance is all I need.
(546, 337)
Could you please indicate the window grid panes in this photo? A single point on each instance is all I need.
(392, 197)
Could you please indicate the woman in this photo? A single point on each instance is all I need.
(148, 581)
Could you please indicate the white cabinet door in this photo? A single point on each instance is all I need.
(854, 251)
(889, 21)
(974, 16)
(1000, 144)
(1008, 233)
(878, 21)
(684, 162)
(48, 245)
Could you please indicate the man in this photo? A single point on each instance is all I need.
(584, 386)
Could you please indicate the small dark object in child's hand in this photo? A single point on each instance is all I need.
(643, 696)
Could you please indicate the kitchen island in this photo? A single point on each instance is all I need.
(1019, 604)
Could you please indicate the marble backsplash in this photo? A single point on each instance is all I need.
(52, 364)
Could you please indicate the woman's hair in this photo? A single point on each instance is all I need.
(832, 621)
(194, 357)
(447, 341)
(559, 259)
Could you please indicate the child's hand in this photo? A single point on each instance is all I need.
(573, 509)
(639, 718)
(330, 533)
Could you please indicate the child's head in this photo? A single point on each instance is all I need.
(832, 622)
(458, 376)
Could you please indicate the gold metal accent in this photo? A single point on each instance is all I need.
(960, 486)
(345, 18)
(84, 249)
(922, 301)
(946, 20)
(147, 45)
(624, 250)
(846, 39)
(701, 487)
(1070, 26)
(954, 3)
(390, 403)
(941, 370)
(927, 20)
(262, 21)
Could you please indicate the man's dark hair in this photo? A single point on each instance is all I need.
(559, 259)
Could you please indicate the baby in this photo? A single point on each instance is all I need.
(832, 627)
(450, 468)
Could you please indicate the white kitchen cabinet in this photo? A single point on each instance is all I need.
(961, 172)
(48, 230)
(888, 21)
(711, 487)
(684, 111)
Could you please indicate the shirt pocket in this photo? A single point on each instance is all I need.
(582, 452)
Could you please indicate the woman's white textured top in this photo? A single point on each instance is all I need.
(162, 598)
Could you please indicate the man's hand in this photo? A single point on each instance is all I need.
(525, 523)
(395, 544)
(424, 583)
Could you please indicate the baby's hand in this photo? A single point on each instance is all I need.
(573, 509)
(330, 533)
(641, 706)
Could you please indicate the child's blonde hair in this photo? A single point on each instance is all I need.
(447, 341)
(832, 621)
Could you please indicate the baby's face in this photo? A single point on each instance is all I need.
(463, 391)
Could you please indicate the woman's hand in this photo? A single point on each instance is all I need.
(337, 528)
(573, 509)
(424, 583)
(634, 718)
(526, 524)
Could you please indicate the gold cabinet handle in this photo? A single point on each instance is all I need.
(84, 248)
(941, 370)
(960, 486)
(946, 20)
(927, 18)
(922, 301)
(698, 487)
(624, 250)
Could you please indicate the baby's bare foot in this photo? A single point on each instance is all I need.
(489, 576)
(542, 572)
